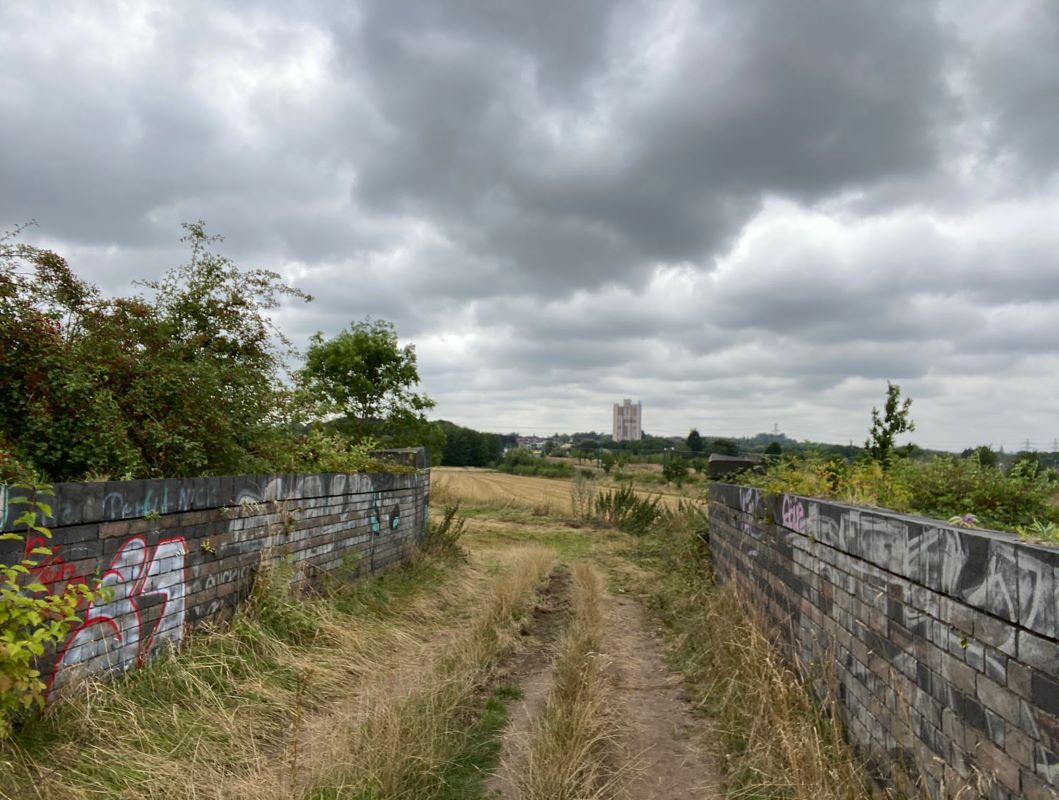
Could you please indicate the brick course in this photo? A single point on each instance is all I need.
(180, 553)
(941, 640)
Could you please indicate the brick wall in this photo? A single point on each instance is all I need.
(942, 641)
(177, 553)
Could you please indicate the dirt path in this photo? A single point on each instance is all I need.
(532, 673)
(658, 748)
(660, 741)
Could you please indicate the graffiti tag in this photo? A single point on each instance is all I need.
(138, 577)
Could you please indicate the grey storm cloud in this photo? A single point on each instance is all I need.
(740, 211)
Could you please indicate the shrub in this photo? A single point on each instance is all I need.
(622, 508)
(522, 462)
(676, 471)
(33, 620)
(942, 488)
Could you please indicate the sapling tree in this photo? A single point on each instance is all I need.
(886, 427)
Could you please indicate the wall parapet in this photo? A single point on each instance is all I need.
(177, 553)
(943, 639)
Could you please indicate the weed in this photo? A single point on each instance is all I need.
(582, 495)
(1040, 531)
(623, 508)
(775, 740)
(443, 537)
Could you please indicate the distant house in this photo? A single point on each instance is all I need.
(533, 443)
(628, 421)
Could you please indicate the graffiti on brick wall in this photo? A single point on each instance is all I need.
(154, 589)
(141, 605)
(793, 513)
(52, 570)
(748, 504)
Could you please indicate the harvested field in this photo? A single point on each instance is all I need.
(542, 495)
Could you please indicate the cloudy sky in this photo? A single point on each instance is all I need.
(744, 213)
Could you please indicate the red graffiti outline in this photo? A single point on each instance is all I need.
(145, 647)
(138, 580)
(53, 570)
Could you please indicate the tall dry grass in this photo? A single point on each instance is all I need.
(267, 707)
(569, 744)
(774, 740)
(403, 748)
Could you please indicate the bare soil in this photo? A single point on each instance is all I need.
(662, 742)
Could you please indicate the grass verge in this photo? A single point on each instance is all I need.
(409, 741)
(568, 749)
(774, 741)
(239, 711)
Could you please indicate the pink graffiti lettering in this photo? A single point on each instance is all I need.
(793, 514)
(112, 634)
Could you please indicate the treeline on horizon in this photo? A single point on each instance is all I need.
(466, 447)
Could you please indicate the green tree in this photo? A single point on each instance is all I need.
(1026, 463)
(365, 375)
(695, 442)
(725, 447)
(774, 449)
(886, 427)
(607, 460)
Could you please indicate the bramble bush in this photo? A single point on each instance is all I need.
(185, 379)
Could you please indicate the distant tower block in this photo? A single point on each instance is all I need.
(628, 421)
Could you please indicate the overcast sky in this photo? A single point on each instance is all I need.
(741, 212)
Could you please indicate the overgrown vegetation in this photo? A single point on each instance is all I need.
(623, 508)
(185, 378)
(568, 753)
(408, 743)
(444, 535)
(1021, 501)
(33, 620)
(263, 707)
(522, 462)
(776, 743)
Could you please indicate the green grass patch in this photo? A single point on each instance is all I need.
(464, 777)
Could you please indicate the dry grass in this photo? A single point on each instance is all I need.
(773, 739)
(403, 748)
(269, 706)
(480, 487)
(568, 750)
(543, 496)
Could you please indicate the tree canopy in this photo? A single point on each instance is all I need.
(367, 377)
(181, 381)
(186, 377)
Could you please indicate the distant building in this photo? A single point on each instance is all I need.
(628, 421)
(532, 443)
